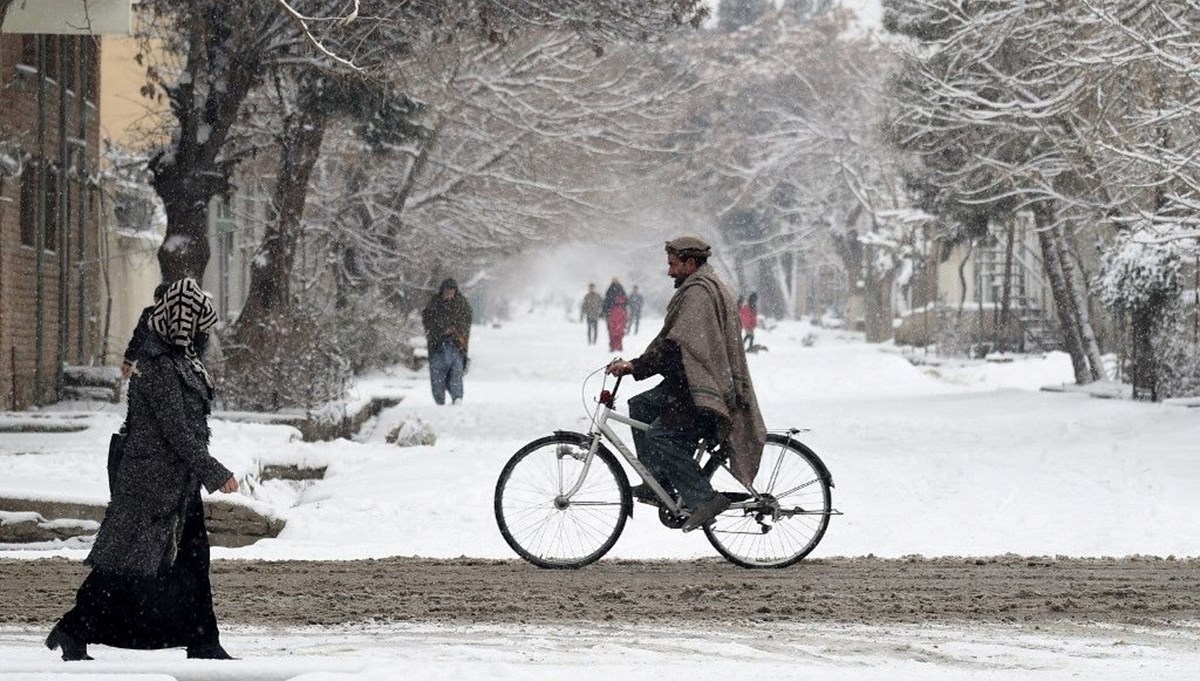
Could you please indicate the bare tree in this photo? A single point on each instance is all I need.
(995, 107)
(781, 146)
(522, 142)
(224, 51)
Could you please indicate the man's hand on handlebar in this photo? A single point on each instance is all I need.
(619, 367)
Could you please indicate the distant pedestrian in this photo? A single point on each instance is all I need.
(149, 586)
(590, 311)
(749, 315)
(635, 309)
(447, 322)
(614, 311)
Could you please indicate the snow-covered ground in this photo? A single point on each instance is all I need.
(958, 459)
(783, 651)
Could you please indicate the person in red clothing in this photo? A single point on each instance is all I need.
(614, 311)
(749, 314)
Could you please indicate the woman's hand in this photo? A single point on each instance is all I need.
(230, 486)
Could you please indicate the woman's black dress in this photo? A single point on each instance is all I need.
(168, 611)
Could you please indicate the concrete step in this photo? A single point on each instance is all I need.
(36, 520)
(91, 393)
(91, 383)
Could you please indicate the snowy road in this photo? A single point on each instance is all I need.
(708, 592)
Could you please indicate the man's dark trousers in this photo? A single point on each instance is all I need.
(668, 449)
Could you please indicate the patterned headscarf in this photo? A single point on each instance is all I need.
(182, 312)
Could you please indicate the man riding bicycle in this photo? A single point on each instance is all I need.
(705, 392)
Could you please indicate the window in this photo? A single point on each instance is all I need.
(53, 186)
(67, 45)
(89, 66)
(29, 204)
(51, 56)
(29, 50)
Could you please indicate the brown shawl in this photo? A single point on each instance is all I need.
(702, 319)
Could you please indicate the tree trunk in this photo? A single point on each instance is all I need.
(4, 5)
(1006, 297)
(191, 170)
(1079, 289)
(1144, 379)
(877, 300)
(962, 278)
(185, 197)
(4, 8)
(785, 278)
(350, 277)
(271, 268)
(1050, 238)
(771, 287)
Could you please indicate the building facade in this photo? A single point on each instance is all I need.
(51, 305)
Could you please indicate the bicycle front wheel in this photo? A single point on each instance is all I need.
(540, 523)
(787, 520)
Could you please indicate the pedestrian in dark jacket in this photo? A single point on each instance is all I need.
(447, 322)
(636, 301)
(590, 312)
(149, 586)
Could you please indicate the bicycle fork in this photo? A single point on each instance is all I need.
(601, 430)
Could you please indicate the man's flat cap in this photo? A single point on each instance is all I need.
(689, 247)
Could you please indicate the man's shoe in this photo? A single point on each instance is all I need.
(72, 648)
(644, 494)
(457, 400)
(208, 651)
(706, 512)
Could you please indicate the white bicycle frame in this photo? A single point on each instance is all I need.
(600, 428)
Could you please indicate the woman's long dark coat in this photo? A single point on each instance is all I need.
(165, 461)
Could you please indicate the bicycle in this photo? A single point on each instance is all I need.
(562, 500)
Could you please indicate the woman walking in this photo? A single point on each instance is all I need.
(748, 311)
(149, 585)
(614, 311)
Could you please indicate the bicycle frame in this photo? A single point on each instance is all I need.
(605, 411)
(538, 488)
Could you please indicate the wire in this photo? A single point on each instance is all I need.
(583, 393)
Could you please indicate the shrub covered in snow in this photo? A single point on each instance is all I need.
(291, 362)
(1140, 275)
(373, 334)
(1177, 353)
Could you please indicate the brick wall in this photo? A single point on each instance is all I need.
(80, 259)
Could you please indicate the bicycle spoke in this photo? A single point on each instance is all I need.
(540, 523)
(797, 488)
(775, 471)
(765, 531)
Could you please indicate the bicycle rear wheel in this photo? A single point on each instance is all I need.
(788, 521)
(543, 527)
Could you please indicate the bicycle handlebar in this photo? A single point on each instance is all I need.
(609, 397)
